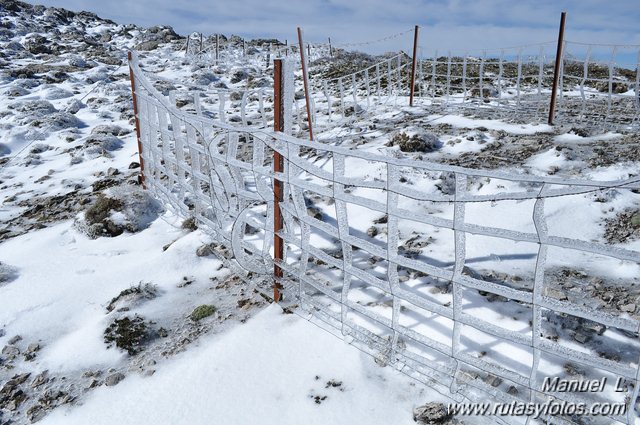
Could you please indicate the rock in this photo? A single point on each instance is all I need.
(381, 220)
(372, 231)
(580, 337)
(447, 184)
(8, 274)
(146, 46)
(74, 106)
(133, 296)
(11, 351)
(112, 171)
(238, 76)
(36, 413)
(555, 293)
(39, 148)
(110, 130)
(134, 165)
(314, 212)
(98, 144)
(493, 380)
(204, 250)
(37, 44)
(627, 308)
(40, 379)
(114, 379)
(431, 413)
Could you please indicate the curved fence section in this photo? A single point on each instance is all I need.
(482, 284)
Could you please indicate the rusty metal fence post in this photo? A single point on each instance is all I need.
(137, 120)
(556, 69)
(413, 65)
(278, 167)
(305, 80)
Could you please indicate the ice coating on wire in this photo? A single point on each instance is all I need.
(221, 174)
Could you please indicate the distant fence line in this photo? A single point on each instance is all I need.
(515, 84)
(374, 291)
(599, 85)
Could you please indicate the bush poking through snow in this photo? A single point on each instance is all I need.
(132, 296)
(190, 224)
(127, 334)
(416, 141)
(102, 209)
(201, 312)
(123, 208)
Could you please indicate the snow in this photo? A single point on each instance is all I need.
(522, 129)
(255, 364)
(266, 371)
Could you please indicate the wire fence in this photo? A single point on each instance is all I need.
(414, 262)
(598, 84)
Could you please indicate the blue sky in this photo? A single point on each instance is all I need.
(456, 25)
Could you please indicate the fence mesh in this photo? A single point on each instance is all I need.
(442, 285)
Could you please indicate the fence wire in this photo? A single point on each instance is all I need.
(441, 287)
(599, 84)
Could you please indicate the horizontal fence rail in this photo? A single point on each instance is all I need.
(454, 276)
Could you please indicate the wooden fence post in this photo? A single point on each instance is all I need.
(278, 167)
(137, 120)
(413, 65)
(306, 83)
(201, 43)
(556, 69)
(330, 49)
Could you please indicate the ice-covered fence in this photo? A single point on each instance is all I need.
(498, 83)
(479, 283)
(243, 106)
(600, 85)
(363, 92)
(598, 88)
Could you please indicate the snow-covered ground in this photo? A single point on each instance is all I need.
(277, 368)
(86, 254)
